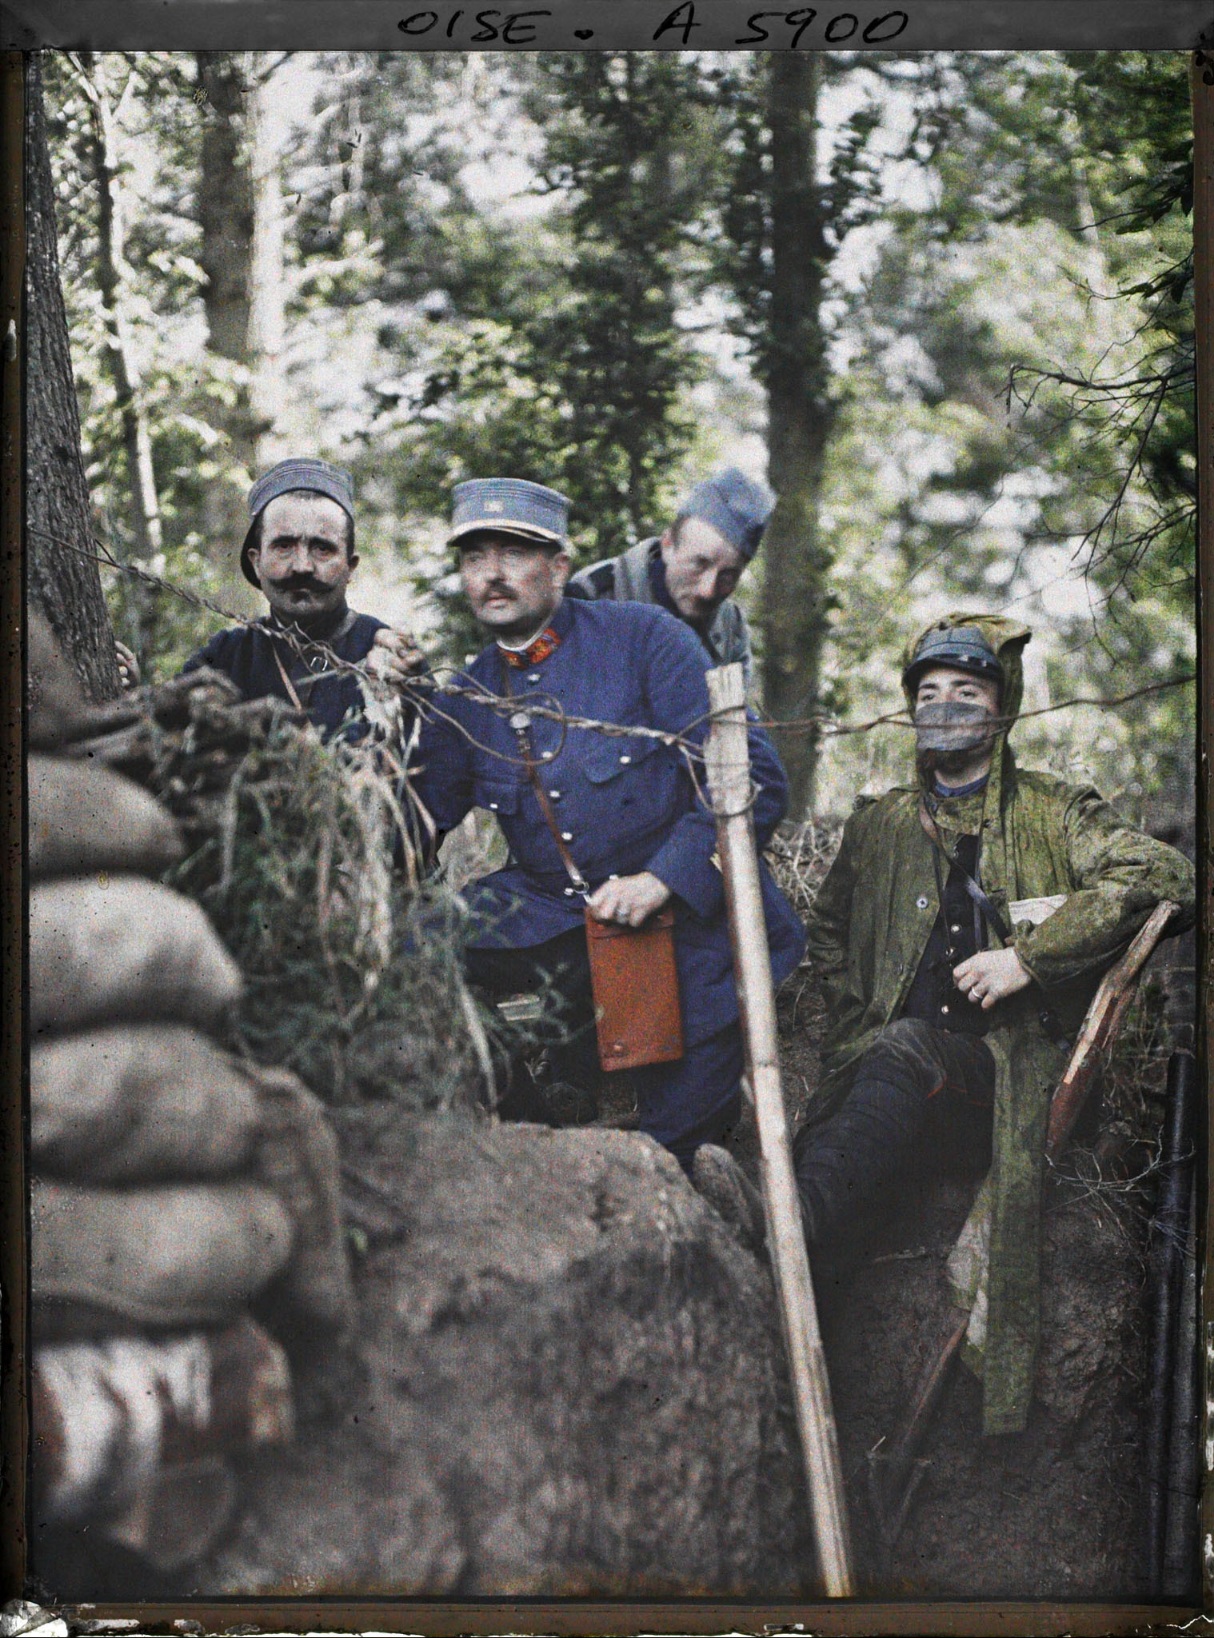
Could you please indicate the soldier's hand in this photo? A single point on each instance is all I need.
(128, 666)
(628, 900)
(990, 976)
(394, 658)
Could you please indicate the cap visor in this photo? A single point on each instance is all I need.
(503, 526)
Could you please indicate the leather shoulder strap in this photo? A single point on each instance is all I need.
(520, 722)
(972, 887)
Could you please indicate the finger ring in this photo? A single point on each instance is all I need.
(621, 915)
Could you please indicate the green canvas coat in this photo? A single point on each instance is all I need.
(870, 925)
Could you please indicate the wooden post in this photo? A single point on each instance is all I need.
(727, 760)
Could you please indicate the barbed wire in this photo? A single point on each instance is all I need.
(422, 689)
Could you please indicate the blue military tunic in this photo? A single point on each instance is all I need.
(624, 804)
(333, 701)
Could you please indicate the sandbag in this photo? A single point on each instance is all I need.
(130, 949)
(298, 1159)
(138, 1103)
(83, 817)
(55, 702)
(173, 1255)
(109, 1415)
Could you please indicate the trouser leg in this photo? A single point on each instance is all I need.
(695, 1100)
(559, 969)
(845, 1163)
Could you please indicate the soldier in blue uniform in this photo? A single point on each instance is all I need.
(627, 807)
(693, 567)
(299, 551)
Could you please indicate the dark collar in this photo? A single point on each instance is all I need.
(329, 631)
(945, 792)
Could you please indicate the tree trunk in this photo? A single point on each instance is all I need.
(62, 580)
(266, 274)
(225, 214)
(797, 561)
(240, 212)
(112, 273)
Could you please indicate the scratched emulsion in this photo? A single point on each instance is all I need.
(602, 25)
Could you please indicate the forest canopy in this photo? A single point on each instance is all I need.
(942, 300)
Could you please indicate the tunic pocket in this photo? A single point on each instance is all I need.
(500, 796)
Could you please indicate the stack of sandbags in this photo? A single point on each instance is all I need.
(174, 1192)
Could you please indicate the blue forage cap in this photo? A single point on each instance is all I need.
(736, 507)
(303, 473)
(512, 506)
(961, 648)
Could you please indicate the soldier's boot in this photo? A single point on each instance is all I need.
(571, 1090)
(569, 1104)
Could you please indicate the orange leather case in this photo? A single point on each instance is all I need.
(636, 992)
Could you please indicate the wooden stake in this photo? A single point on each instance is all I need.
(1101, 1025)
(727, 760)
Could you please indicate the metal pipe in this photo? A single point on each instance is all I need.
(1180, 1571)
(1169, 1232)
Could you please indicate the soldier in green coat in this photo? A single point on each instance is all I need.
(943, 987)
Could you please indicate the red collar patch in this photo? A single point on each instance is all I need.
(538, 649)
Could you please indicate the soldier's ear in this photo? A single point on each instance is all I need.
(562, 566)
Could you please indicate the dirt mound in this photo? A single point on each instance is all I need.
(1053, 1512)
(567, 1380)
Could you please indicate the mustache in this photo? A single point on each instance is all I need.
(299, 582)
(498, 588)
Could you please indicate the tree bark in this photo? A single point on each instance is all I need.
(225, 214)
(225, 203)
(240, 213)
(266, 272)
(62, 580)
(797, 561)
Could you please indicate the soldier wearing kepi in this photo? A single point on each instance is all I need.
(943, 992)
(299, 551)
(694, 566)
(624, 809)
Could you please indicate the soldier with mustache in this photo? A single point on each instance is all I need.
(299, 552)
(621, 809)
